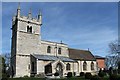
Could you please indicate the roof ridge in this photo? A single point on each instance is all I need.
(54, 42)
(78, 49)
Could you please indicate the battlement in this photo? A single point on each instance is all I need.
(28, 18)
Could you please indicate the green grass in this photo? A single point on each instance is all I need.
(72, 78)
(26, 79)
(76, 78)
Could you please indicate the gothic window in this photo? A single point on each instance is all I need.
(48, 49)
(59, 50)
(68, 66)
(29, 29)
(84, 66)
(97, 65)
(33, 66)
(29, 66)
(92, 66)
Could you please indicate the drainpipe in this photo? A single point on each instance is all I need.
(56, 49)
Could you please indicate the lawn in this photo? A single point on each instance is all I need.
(72, 78)
(77, 78)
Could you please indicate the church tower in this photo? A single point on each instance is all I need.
(26, 40)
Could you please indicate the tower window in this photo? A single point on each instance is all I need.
(68, 66)
(84, 66)
(59, 50)
(29, 29)
(48, 49)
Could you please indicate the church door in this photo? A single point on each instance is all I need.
(59, 69)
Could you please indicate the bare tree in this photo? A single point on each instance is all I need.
(7, 63)
(7, 58)
(114, 55)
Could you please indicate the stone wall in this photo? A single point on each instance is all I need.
(54, 50)
(22, 65)
(89, 67)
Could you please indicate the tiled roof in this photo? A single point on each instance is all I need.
(52, 58)
(80, 54)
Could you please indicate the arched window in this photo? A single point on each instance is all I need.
(33, 67)
(67, 66)
(59, 50)
(48, 49)
(29, 29)
(84, 66)
(97, 65)
(92, 66)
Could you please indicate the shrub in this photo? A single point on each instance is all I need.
(110, 71)
(82, 74)
(114, 77)
(118, 71)
(101, 74)
(69, 74)
(56, 74)
(32, 75)
(40, 75)
(4, 76)
(115, 71)
(88, 76)
(25, 76)
(74, 73)
(95, 77)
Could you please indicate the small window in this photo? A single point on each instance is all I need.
(92, 66)
(59, 50)
(67, 66)
(48, 49)
(84, 66)
(29, 29)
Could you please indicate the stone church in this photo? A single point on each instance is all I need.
(30, 55)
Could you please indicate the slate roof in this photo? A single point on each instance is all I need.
(52, 58)
(99, 57)
(80, 54)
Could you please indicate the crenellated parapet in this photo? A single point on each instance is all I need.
(28, 18)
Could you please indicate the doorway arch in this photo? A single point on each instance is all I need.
(59, 69)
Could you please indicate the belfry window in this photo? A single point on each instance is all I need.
(48, 49)
(92, 66)
(59, 50)
(67, 66)
(84, 66)
(29, 29)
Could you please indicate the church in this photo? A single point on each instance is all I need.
(30, 55)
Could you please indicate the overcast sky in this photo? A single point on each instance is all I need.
(80, 25)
